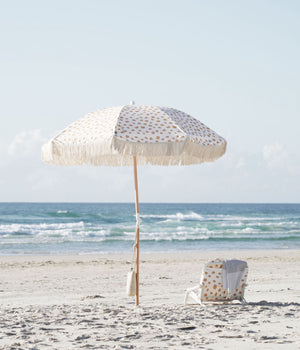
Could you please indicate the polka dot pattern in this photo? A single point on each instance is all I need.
(147, 124)
(212, 283)
(155, 135)
(142, 124)
(193, 128)
(95, 126)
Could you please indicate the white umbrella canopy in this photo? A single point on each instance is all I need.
(131, 135)
(156, 135)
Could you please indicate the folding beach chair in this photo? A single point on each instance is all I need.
(221, 281)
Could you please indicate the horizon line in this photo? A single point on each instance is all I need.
(93, 202)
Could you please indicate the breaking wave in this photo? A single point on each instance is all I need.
(111, 227)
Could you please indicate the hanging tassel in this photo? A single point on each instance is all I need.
(131, 276)
(131, 283)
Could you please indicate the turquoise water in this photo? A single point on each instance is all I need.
(34, 228)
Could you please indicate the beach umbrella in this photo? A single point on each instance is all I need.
(132, 135)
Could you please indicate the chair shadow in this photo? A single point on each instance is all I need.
(272, 303)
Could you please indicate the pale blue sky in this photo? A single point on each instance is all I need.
(234, 65)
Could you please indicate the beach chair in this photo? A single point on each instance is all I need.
(222, 281)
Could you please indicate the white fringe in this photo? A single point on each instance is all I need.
(116, 152)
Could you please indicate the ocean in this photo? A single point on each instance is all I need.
(82, 228)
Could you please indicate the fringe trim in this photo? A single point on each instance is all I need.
(117, 152)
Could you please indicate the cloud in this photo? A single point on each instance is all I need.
(236, 177)
(27, 143)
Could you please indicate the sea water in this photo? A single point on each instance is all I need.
(39, 228)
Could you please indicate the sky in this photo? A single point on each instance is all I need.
(234, 65)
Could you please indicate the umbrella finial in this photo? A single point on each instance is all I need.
(132, 103)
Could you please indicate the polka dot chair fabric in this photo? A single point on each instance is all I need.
(211, 287)
(156, 135)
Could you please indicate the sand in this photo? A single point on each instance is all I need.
(79, 301)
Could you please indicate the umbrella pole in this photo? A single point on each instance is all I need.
(137, 231)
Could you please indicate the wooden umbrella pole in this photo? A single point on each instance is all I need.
(137, 231)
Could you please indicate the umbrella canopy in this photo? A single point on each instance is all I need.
(131, 135)
(156, 135)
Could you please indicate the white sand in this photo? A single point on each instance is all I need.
(74, 302)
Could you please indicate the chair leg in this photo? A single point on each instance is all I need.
(202, 304)
(186, 297)
(243, 301)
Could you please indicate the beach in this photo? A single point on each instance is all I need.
(158, 136)
(79, 301)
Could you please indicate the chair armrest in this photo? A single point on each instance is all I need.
(195, 287)
(191, 290)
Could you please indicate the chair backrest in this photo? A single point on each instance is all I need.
(212, 283)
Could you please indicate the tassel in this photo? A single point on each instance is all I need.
(131, 283)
